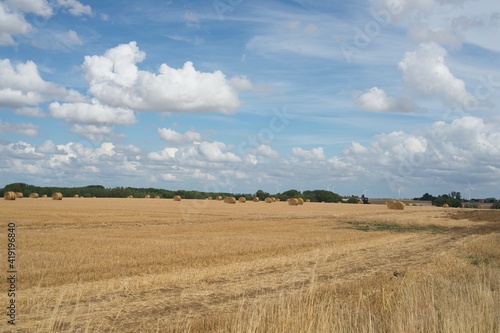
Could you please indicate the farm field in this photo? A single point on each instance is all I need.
(156, 265)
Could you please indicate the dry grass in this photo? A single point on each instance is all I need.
(199, 266)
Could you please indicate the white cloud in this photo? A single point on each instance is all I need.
(426, 72)
(177, 138)
(75, 7)
(37, 7)
(21, 85)
(168, 177)
(203, 176)
(96, 132)
(441, 35)
(11, 23)
(217, 152)
(48, 39)
(443, 153)
(47, 147)
(266, 151)
(95, 114)
(116, 81)
(376, 99)
(241, 83)
(167, 154)
(31, 112)
(315, 154)
(19, 128)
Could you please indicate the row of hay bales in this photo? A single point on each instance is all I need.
(295, 201)
(10, 195)
(397, 205)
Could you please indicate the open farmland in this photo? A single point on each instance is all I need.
(146, 265)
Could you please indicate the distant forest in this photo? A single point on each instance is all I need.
(100, 191)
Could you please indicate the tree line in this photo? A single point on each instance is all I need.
(100, 191)
(453, 199)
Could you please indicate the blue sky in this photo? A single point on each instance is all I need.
(392, 97)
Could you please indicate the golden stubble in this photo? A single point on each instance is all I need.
(158, 265)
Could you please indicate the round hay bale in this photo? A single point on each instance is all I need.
(177, 198)
(157, 197)
(209, 198)
(397, 205)
(268, 200)
(230, 200)
(446, 206)
(9, 195)
(57, 196)
(308, 200)
(76, 196)
(19, 195)
(273, 199)
(147, 196)
(43, 196)
(242, 199)
(400, 205)
(391, 204)
(218, 198)
(255, 199)
(300, 201)
(130, 196)
(34, 195)
(293, 202)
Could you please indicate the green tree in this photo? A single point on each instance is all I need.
(261, 195)
(290, 194)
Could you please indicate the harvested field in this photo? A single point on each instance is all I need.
(105, 265)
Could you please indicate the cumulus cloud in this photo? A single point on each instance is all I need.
(167, 154)
(75, 7)
(115, 80)
(11, 23)
(96, 133)
(31, 112)
(177, 138)
(95, 114)
(315, 154)
(266, 151)
(438, 154)
(168, 177)
(376, 99)
(19, 128)
(425, 71)
(217, 152)
(37, 7)
(12, 16)
(22, 85)
(241, 83)
(203, 176)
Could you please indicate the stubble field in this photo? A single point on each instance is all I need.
(156, 265)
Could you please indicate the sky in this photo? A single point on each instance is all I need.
(387, 98)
